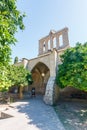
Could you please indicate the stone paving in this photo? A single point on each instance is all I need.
(32, 114)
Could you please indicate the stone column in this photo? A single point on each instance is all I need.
(40, 47)
(52, 61)
(65, 37)
(49, 96)
(46, 45)
(51, 43)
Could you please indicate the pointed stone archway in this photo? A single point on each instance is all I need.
(40, 75)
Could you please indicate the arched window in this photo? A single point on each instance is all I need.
(48, 44)
(44, 49)
(60, 40)
(54, 42)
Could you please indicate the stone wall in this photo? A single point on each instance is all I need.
(55, 94)
(52, 92)
(66, 93)
(48, 97)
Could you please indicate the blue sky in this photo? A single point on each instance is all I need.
(45, 15)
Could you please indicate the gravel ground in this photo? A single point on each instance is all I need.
(73, 114)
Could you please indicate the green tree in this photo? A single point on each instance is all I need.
(10, 20)
(19, 76)
(5, 83)
(16, 60)
(73, 70)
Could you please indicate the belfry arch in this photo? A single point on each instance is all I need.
(40, 75)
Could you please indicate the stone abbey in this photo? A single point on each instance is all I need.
(45, 65)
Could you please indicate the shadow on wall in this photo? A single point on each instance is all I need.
(72, 93)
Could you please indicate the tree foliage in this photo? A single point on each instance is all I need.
(19, 76)
(5, 83)
(10, 20)
(16, 60)
(14, 76)
(73, 70)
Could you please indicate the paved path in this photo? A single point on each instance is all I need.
(31, 114)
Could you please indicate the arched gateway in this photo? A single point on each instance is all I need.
(44, 66)
(40, 75)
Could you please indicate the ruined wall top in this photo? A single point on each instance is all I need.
(58, 40)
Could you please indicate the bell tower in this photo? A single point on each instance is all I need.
(57, 40)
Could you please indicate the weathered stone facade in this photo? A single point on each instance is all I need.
(44, 66)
